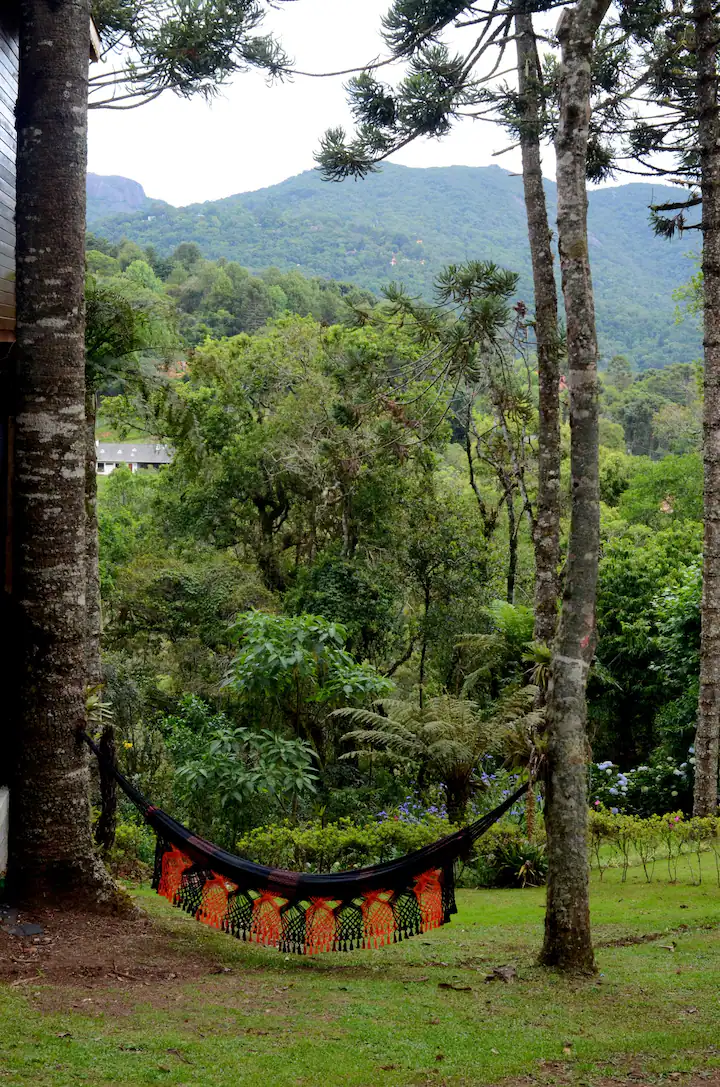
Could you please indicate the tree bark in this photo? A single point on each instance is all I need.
(568, 943)
(707, 737)
(93, 662)
(51, 843)
(546, 529)
(106, 825)
(512, 546)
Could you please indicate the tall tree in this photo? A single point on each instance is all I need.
(568, 943)
(51, 845)
(684, 71)
(707, 738)
(546, 529)
(438, 90)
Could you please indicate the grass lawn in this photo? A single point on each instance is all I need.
(413, 1014)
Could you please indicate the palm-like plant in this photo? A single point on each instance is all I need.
(445, 738)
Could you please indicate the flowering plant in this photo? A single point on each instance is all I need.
(663, 786)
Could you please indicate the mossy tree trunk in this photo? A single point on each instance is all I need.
(51, 844)
(568, 943)
(707, 738)
(546, 526)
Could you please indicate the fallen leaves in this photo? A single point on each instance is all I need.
(502, 973)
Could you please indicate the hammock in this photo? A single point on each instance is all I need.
(301, 912)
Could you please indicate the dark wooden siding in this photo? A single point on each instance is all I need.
(8, 96)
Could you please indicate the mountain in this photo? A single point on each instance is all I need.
(113, 196)
(405, 224)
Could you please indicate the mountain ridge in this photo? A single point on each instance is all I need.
(406, 223)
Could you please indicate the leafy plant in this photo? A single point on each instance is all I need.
(297, 669)
(223, 770)
(442, 740)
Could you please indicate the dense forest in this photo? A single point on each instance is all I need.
(433, 555)
(344, 520)
(407, 224)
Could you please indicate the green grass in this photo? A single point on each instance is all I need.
(381, 1018)
(106, 432)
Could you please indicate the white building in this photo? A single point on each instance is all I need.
(109, 455)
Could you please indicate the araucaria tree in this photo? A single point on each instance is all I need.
(707, 740)
(568, 943)
(438, 90)
(51, 845)
(684, 77)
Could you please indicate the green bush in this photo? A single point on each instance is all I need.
(133, 852)
(504, 857)
(624, 841)
(312, 847)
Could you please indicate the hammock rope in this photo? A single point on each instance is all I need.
(301, 912)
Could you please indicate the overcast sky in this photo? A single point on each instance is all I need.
(255, 135)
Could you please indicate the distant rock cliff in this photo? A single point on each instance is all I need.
(112, 196)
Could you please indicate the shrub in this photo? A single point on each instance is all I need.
(661, 787)
(133, 852)
(504, 857)
(337, 846)
(621, 841)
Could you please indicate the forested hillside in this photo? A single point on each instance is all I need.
(406, 224)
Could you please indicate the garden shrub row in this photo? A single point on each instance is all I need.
(671, 844)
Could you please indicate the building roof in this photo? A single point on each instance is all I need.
(117, 453)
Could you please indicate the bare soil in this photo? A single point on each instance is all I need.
(91, 950)
(561, 1074)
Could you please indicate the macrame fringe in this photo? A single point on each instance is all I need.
(305, 925)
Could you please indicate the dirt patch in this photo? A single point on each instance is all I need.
(563, 1075)
(86, 950)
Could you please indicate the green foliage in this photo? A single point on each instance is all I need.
(126, 525)
(501, 858)
(622, 841)
(637, 568)
(279, 653)
(224, 772)
(351, 592)
(425, 219)
(659, 410)
(133, 851)
(664, 492)
(505, 858)
(213, 299)
(295, 669)
(441, 739)
(190, 49)
(127, 327)
(337, 846)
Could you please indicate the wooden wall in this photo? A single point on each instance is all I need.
(8, 96)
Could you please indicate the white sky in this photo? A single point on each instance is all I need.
(255, 135)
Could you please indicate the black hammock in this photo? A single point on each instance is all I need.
(301, 912)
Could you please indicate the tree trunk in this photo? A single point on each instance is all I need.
(93, 662)
(106, 826)
(457, 795)
(546, 534)
(568, 943)
(707, 737)
(423, 648)
(51, 843)
(512, 547)
(530, 806)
